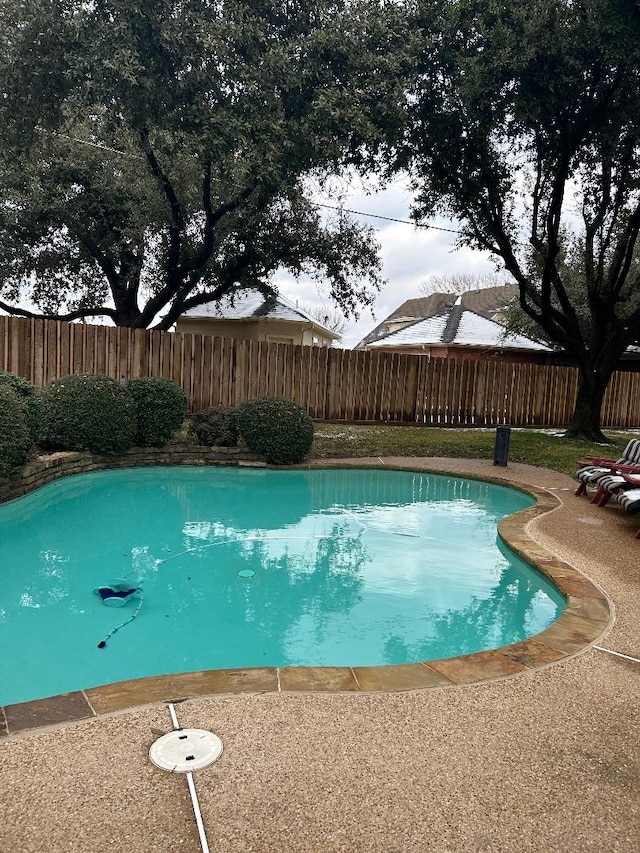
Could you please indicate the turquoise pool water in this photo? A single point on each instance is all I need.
(244, 568)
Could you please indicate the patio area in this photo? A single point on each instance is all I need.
(545, 760)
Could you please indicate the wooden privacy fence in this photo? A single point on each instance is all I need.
(332, 384)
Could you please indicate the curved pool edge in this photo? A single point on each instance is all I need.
(586, 618)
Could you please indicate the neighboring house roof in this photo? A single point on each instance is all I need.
(254, 305)
(486, 301)
(456, 326)
(489, 301)
(408, 312)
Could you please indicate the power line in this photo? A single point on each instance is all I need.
(98, 145)
(387, 218)
(314, 203)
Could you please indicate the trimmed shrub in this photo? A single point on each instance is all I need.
(27, 393)
(215, 426)
(88, 412)
(277, 429)
(161, 407)
(15, 436)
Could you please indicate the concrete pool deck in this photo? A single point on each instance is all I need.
(544, 757)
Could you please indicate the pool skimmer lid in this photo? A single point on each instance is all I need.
(184, 750)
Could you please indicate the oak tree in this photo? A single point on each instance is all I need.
(523, 124)
(153, 154)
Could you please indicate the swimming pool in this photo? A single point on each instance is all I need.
(245, 568)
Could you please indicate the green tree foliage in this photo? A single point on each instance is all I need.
(153, 155)
(523, 123)
(573, 273)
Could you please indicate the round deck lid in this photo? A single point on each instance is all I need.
(183, 750)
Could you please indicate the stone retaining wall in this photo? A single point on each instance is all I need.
(47, 468)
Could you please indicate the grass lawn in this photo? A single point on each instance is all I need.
(546, 448)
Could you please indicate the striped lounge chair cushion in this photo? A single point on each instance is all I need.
(631, 456)
(612, 482)
(590, 473)
(628, 500)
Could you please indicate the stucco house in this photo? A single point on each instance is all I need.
(254, 316)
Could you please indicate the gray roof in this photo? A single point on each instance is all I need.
(457, 326)
(408, 312)
(486, 302)
(489, 301)
(254, 305)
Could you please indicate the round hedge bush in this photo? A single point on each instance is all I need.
(161, 407)
(275, 428)
(15, 436)
(27, 393)
(88, 412)
(215, 426)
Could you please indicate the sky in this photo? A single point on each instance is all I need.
(409, 256)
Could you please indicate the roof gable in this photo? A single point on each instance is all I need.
(457, 327)
(254, 305)
(486, 302)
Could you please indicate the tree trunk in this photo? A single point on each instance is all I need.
(585, 422)
(126, 316)
(125, 299)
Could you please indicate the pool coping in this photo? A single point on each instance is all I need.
(587, 617)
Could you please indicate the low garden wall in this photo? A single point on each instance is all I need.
(47, 468)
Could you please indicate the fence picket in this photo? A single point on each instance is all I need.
(331, 384)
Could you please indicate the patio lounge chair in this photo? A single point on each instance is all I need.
(621, 478)
(592, 467)
(629, 500)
